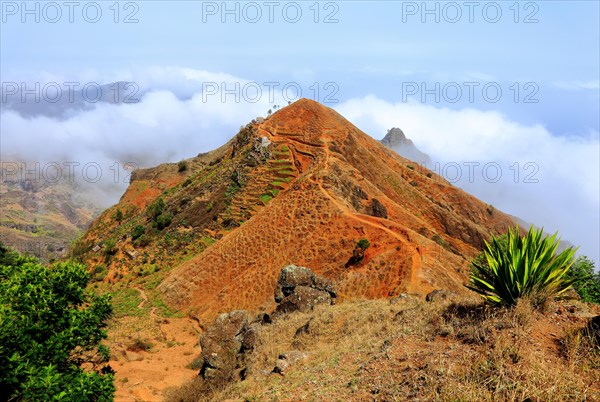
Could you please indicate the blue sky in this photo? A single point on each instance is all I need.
(369, 50)
(374, 58)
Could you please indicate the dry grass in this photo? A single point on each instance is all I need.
(374, 350)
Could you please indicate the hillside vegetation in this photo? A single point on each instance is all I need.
(410, 349)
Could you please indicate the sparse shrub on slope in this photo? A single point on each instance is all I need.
(525, 267)
(163, 220)
(181, 166)
(156, 208)
(358, 254)
(118, 215)
(49, 327)
(137, 232)
(160, 217)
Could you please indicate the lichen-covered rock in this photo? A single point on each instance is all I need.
(378, 209)
(288, 359)
(224, 346)
(593, 328)
(439, 294)
(299, 289)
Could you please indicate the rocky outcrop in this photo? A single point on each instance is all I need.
(397, 141)
(225, 344)
(593, 329)
(378, 209)
(299, 289)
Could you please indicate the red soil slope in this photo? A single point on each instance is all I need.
(335, 171)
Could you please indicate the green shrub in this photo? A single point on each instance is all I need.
(526, 267)
(363, 244)
(265, 198)
(156, 208)
(587, 283)
(110, 247)
(49, 326)
(137, 232)
(182, 166)
(99, 272)
(141, 241)
(481, 260)
(118, 215)
(78, 248)
(163, 220)
(358, 254)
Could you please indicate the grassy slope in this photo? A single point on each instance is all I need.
(376, 350)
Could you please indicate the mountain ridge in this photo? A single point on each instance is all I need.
(302, 186)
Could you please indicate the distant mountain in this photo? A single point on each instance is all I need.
(39, 217)
(396, 140)
(60, 100)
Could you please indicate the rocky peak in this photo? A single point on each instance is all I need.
(395, 137)
(397, 141)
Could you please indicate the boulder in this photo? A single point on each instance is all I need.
(225, 344)
(133, 356)
(593, 329)
(288, 359)
(439, 294)
(398, 299)
(378, 210)
(299, 289)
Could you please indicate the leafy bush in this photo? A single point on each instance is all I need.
(156, 208)
(587, 283)
(137, 232)
(526, 267)
(182, 166)
(358, 254)
(163, 220)
(9, 257)
(118, 215)
(99, 272)
(110, 247)
(141, 241)
(363, 244)
(49, 327)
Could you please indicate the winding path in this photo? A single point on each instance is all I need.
(365, 219)
(144, 297)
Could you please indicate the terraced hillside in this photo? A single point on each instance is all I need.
(40, 217)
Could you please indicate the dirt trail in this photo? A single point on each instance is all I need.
(145, 375)
(144, 297)
(365, 219)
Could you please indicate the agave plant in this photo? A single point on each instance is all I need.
(523, 267)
